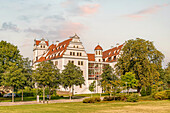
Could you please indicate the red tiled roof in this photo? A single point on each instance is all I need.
(111, 53)
(91, 57)
(38, 41)
(55, 51)
(98, 47)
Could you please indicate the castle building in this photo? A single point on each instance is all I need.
(72, 50)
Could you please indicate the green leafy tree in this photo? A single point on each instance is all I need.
(143, 59)
(26, 80)
(167, 74)
(92, 87)
(46, 75)
(129, 80)
(108, 77)
(72, 75)
(116, 86)
(11, 66)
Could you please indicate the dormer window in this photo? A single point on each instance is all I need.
(114, 58)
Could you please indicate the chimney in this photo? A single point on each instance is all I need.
(57, 42)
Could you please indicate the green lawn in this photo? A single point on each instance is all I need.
(103, 107)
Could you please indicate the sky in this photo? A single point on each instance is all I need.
(104, 22)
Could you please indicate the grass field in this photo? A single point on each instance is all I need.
(103, 107)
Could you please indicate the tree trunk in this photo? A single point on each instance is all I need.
(114, 94)
(70, 93)
(128, 91)
(72, 90)
(138, 89)
(49, 93)
(13, 95)
(22, 95)
(43, 94)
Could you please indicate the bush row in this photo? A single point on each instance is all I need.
(162, 95)
(129, 98)
(92, 100)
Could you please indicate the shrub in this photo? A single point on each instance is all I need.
(168, 94)
(143, 91)
(108, 98)
(133, 98)
(161, 95)
(97, 99)
(92, 100)
(148, 90)
(123, 97)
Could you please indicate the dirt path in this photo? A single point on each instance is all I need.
(35, 102)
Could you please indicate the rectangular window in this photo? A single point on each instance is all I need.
(77, 54)
(81, 62)
(73, 53)
(70, 53)
(78, 62)
(80, 54)
(72, 62)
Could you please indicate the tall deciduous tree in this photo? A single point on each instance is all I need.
(72, 75)
(129, 80)
(167, 74)
(108, 77)
(11, 66)
(143, 59)
(46, 75)
(26, 80)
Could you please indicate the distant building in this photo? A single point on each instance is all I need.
(72, 50)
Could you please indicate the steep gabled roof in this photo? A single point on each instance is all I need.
(110, 55)
(54, 51)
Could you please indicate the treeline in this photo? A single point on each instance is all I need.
(140, 67)
(16, 72)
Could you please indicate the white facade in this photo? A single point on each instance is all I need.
(72, 50)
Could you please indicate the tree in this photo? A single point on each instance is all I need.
(129, 80)
(143, 59)
(108, 77)
(92, 87)
(46, 75)
(11, 66)
(72, 75)
(26, 80)
(167, 74)
(116, 85)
